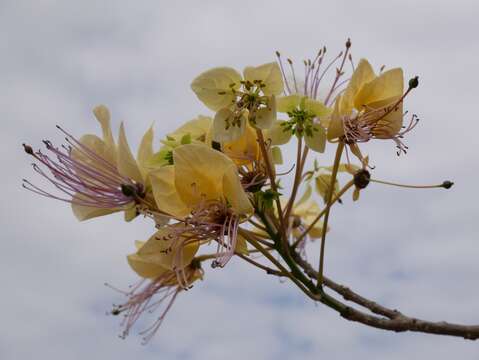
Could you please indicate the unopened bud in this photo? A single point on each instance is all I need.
(28, 149)
(414, 82)
(447, 184)
(362, 178)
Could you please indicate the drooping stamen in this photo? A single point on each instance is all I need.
(147, 296)
(85, 177)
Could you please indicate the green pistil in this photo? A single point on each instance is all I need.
(300, 123)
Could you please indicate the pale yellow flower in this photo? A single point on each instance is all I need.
(237, 100)
(371, 107)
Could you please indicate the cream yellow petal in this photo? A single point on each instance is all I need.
(269, 74)
(165, 193)
(266, 116)
(199, 172)
(102, 114)
(323, 182)
(317, 107)
(306, 196)
(168, 250)
(316, 142)
(241, 245)
(276, 134)
(214, 87)
(389, 85)
(127, 165)
(234, 193)
(82, 212)
(130, 213)
(145, 151)
(363, 74)
(288, 103)
(335, 125)
(145, 268)
(224, 128)
(197, 128)
(245, 149)
(277, 155)
(95, 144)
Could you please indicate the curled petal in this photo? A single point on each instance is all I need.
(144, 267)
(127, 165)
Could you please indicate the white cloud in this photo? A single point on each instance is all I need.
(414, 250)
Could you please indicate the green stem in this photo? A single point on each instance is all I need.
(337, 160)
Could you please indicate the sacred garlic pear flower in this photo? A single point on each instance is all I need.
(203, 190)
(160, 283)
(304, 115)
(96, 175)
(371, 107)
(238, 100)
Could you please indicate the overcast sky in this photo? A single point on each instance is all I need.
(412, 250)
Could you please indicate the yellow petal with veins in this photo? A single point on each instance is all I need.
(224, 130)
(269, 74)
(127, 165)
(363, 74)
(316, 107)
(245, 149)
(335, 124)
(234, 193)
(277, 134)
(165, 193)
(288, 103)
(214, 87)
(170, 251)
(145, 268)
(316, 142)
(199, 172)
(83, 212)
(266, 116)
(388, 86)
(197, 128)
(102, 114)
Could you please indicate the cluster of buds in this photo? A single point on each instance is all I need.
(214, 181)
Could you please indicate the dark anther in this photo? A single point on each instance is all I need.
(28, 149)
(348, 43)
(414, 82)
(361, 179)
(128, 190)
(447, 184)
(115, 311)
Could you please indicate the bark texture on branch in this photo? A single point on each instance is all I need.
(388, 319)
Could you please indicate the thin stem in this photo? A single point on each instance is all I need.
(407, 186)
(297, 181)
(271, 258)
(268, 270)
(334, 174)
(269, 170)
